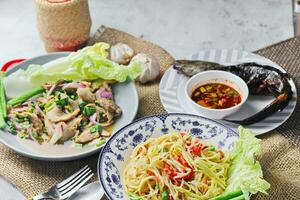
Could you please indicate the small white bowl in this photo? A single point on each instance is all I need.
(215, 76)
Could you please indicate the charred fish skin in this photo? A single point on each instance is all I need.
(261, 80)
(193, 67)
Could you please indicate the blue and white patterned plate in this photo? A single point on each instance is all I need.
(115, 154)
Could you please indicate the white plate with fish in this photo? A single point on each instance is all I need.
(76, 108)
(173, 98)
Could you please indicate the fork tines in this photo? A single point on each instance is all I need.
(74, 182)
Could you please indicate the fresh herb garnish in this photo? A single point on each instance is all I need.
(100, 143)
(69, 108)
(72, 95)
(82, 104)
(48, 106)
(212, 148)
(95, 129)
(89, 110)
(102, 118)
(22, 119)
(12, 128)
(62, 102)
(165, 195)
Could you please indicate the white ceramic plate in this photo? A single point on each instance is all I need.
(116, 152)
(173, 99)
(67, 152)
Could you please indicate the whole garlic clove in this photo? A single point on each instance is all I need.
(150, 67)
(121, 53)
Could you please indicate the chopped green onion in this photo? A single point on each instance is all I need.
(26, 96)
(22, 119)
(48, 106)
(102, 118)
(77, 145)
(89, 110)
(82, 104)
(158, 186)
(12, 129)
(62, 102)
(72, 95)
(69, 108)
(95, 129)
(165, 195)
(100, 143)
(212, 148)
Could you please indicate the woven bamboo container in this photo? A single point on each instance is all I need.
(63, 26)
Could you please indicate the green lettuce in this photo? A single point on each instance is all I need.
(86, 64)
(245, 172)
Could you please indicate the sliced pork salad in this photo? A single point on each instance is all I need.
(78, 111)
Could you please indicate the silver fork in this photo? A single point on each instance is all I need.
(68, 186)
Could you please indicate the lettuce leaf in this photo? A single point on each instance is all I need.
(86, 64)
(245, 172)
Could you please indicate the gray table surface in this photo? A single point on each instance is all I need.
(181, 27)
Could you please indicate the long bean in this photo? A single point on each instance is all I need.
(229, 195)
(3, 111)
(26, 96)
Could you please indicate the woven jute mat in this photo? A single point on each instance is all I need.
(281, 151)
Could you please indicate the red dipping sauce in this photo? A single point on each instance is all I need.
(216, 96)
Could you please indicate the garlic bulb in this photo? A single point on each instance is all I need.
(121, 53)
(150, 67)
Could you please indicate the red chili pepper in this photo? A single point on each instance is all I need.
(11, 63)
(188, 176)
(185, 164)
(150, 172)
(205, 180)
(196, 150)
(170, 171)
(221, 153)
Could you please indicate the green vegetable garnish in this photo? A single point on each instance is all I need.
(12, 128)
(100, 142)
(48, 106)
(82, 104)
(77, 145)
(26, 96)
(102, 118)
(62, 102)
(22, 119)
(89, 110)
(165, 195)
(95, 129)
(88, 63)
(133, 196)
(212, 148)
(158, 186)
(229, 195)
(245, 173)
(69, 108)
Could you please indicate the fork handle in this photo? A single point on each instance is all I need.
(39, 197)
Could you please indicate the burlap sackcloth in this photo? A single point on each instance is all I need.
(281, 151)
